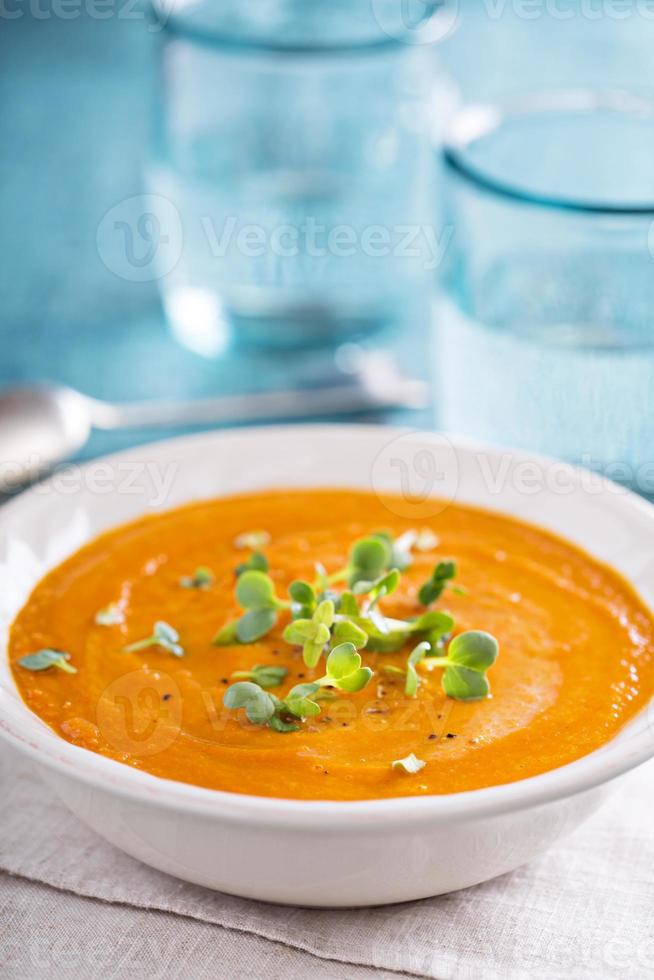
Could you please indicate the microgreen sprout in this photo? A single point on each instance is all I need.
(433, 588)
(265, 675)
(255, 592)
(48, 657)
(304, 599)
(382, 586)
(312, 634)
(351, 619)
(343, 672)
(468, 657)
(252, 540)
(345, 631)
(202, 578)
(410, 764)
(163, 635)
(412, 679)
(257, 562)
(399, 549)
(111, 615)
(368, 559)
(259, 706)
(389, 635)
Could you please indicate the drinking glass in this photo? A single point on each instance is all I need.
(292, 143)
(544, 319)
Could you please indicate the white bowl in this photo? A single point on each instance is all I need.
(321, 853)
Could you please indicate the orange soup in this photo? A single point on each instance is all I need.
(574, 664)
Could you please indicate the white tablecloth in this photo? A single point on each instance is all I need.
(81, 909)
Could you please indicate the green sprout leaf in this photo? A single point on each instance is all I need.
(342, 660)
(202, 578)
(401, 548)
(355, 681)
(255, 590)
(302, 593)
(344, 670)
(391, 635)
(412, 679)
(410, 764)
(435, 623)
(347, 604)
(227, 635)
(469, 656)
(163, 635)
(474, 649)
(369, 557)
(400, 556)
(433, 588)
(384, 585)
(111, 615)
(324, 613)
(48, 657)
(279, 724)
(345, 631)
(464, 684)
(252, 540)
(255, 624)
(299, 700)
(312, 634)
(259, 706)
(265, 675)
(257, 562)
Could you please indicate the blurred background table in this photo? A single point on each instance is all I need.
(76, 96)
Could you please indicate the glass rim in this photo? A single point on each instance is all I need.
(178, 26)
(478, 120)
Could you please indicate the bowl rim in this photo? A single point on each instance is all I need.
(51, 752)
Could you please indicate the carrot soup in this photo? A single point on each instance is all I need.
(311, 644)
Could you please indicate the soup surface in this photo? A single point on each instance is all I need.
(575, 660)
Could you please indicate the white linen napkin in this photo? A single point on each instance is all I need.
(584, 910)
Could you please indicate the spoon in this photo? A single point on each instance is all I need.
(41, 425)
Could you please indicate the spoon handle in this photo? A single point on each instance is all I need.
(299, 403)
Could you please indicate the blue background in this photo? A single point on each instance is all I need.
(76, 97)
